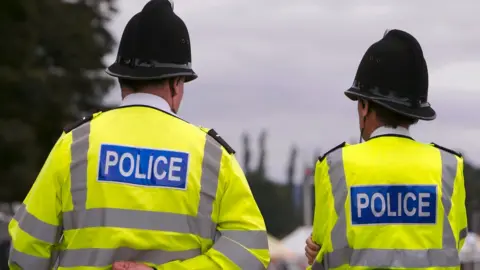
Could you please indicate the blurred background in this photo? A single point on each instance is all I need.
(271, 80)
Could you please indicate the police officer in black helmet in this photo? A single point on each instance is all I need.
(137, 187)
(392, 83)
(149, 56)
(393, 202)
(153, 63)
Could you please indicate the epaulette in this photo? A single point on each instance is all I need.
(80, 122)
(447, 150)
(212, 133)
(221, 141)
(321, 158)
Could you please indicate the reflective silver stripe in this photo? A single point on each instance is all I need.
(341, 248)
(463, 234)
(317, 266)
(237, 254)
(248, 239)
(27, 262)
(449, 172)
(212, 158)
(98, 257)
(35, 227)
(135, 219)
(400, 258)
(78, 166)
(344, 254)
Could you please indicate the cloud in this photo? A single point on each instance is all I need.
(457, 77)
(283, 65)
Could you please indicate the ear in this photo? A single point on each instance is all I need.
(364, 108)
(179, 80)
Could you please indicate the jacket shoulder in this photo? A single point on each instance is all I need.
(213, 134)
(68, 128)
(340, 146)
(456, 153)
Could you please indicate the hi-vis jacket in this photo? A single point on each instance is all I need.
(138, 184)
(389, 202)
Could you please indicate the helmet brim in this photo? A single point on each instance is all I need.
(146, 73)
(421, 113)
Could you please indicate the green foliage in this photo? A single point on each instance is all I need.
(274, 200)
(51, 72)
(275, 203)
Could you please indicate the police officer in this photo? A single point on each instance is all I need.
(137, 183)
(390, 202)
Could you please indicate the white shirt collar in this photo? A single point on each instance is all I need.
(147, 100)
(388, 130)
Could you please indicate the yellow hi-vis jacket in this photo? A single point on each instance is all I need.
(138, 184)
(390, 203)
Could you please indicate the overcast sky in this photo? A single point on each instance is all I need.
(283, 66)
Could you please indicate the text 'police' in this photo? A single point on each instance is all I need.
(143, 166)
(395, 204)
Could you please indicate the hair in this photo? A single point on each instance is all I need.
(139, 85)
(390, 118)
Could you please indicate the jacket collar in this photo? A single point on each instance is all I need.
(388, 131)
(144, 99)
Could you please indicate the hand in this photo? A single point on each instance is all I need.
(311, 250)
(130, 266)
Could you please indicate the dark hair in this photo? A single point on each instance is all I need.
(138, 85)
(390, 118)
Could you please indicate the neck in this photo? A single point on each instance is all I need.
(152, 91)
(383, 130)
(368, 130)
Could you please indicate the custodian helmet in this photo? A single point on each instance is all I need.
(393, 73)
(155, 45)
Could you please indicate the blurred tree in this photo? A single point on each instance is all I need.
(295, 195)
(261, 170)
(472, 186)
(51, 73)
(247, 154)
(291, 165)
(296, 189)
(273, 199)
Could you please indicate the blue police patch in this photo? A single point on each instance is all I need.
(393, 204)
(143, 166)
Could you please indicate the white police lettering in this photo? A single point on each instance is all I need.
(393, 204)
(382, 204)
(143, 166)
(405, 203)
(138, 174)
(422, 204)
(362, 203)
(174, 168)
(162, 175)
(399, 202)
(123, 165)
(389, 204)
(109, 161)
(150, 166)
